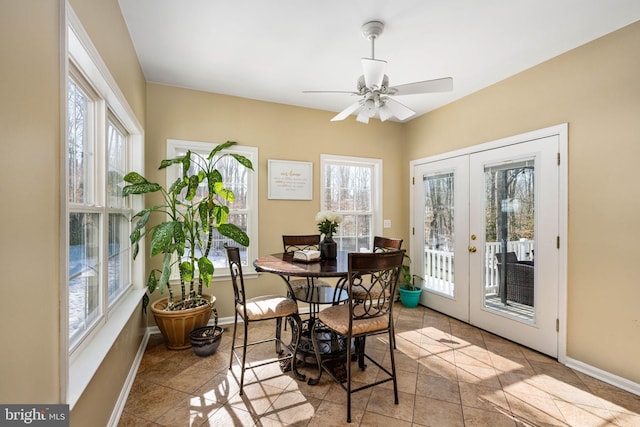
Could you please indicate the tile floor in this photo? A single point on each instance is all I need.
(449, 374)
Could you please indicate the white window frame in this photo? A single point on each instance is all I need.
(78, 365)
(376, 187)
(174, 148)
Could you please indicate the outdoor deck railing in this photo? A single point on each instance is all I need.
(439, 265)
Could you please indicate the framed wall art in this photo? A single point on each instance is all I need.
(290, 180)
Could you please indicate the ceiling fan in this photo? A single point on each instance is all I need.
(374, 90)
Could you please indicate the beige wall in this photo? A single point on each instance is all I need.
(280, 132)
(30, 253)
(596, 89)
(29, 224)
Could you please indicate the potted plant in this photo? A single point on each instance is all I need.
(409, 291)
(328, 225)
(193, 208)
(206, 340)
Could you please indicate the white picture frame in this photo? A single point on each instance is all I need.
(290, 180)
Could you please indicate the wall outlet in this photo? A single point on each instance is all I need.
(387, 223)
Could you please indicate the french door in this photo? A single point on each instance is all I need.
(486, 226)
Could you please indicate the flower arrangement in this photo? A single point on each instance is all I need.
(328, 222)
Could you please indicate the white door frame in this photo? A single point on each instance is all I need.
(562, 131)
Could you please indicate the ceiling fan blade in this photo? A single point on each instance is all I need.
(346, 112)
(373, 70)
(427, 86)
(349, 92)
(399, 110)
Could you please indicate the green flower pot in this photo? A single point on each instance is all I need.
(409, 298)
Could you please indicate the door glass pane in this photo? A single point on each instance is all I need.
(439, 232)
(509, 236)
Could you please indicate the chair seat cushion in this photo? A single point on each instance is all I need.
(303, 283)
(337, 318)
(268, 307)
(359, 292)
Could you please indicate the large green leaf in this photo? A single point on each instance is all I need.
(220, 148)
(162, 237)
(179, 238)
(203, 210)
(186, 271)
(194, 181)
(168, 162)
(134, 237)
(234, 232)
(142, 188)
(166, 272)
(242, 160)
(134, 178)
(205, 267)
(227, 194)
(177, 186)
(214, 181)
(152, 282)
(186, 163)
(144, 218)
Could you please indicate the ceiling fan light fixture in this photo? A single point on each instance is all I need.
(385, 112)
(363, 117)
(373, 70)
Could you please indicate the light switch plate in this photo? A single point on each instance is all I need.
(387, 223)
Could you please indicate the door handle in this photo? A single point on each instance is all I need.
(472, 249)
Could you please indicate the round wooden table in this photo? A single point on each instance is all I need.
(283, 265)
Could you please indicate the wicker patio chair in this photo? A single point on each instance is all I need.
(519, 282)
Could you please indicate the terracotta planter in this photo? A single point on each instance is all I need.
(175, 326)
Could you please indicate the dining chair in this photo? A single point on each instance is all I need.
(256, 309)
(380, 244)
(383, 244)
(360, 318)
(298, 242)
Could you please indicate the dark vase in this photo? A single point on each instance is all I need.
(205, 340)
(328, 248)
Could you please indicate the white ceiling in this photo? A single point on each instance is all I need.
(273, 50)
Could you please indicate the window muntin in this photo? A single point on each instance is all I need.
(243, 211)
(351, 187)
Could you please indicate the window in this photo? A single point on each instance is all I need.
(352, 187)
(99, 217)
(102, 284)
(243, 212)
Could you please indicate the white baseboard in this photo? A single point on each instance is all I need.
(605, 376)
(126, 388)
